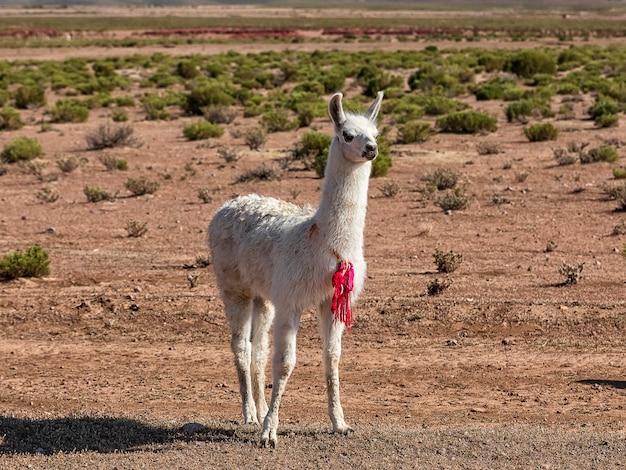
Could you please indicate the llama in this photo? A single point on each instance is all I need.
(273, 259)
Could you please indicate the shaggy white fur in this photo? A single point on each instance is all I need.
(272, 256)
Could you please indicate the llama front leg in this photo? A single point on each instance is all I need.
(283, 363)
(262, 317)
(331, 331)
(239, 315)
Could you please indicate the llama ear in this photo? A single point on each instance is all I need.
(374, 109)
(335, 109)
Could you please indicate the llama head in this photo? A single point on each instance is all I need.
(356, 133)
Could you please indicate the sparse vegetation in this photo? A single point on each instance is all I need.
(261, 173)
(438, 286)
(443, 178)
(108, 136)
(47, 195)
(113, 163)
(142, 185)
(10, 120)
(202, 130)
(453, 201)
(68, 165)
(467, 122)
(254, 137)
(414, 132)
(136, 229)
(488, 148)
(96, 194)
(447, 261)
(389, 189)
(21, 149)
(572, 274)
(32, 262)
(541, 132)
(204, 194)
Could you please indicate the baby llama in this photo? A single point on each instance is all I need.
(273, 260)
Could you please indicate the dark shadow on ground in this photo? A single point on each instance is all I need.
(621, 384)
(98, 434)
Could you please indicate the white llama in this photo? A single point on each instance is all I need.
(272, 256)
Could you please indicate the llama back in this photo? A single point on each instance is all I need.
(242, 236)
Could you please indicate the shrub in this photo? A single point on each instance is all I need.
(619, 173)
(136, 229)
(119, 115)
(467, 122)
(453, 201)
(447, 262)
(312, 151)
(96, 194)
(30, 96)
(436, 287)
(10, 120)
(541, 132)
(573, 274)
(260, 173)
(277, 121)
(107, 136)
(382, 163)
(202, 130)
(521, 109)
(21, 148)
(603, 153)
(443, 178)
(33, 262)
(219, 114)
(204, 95)
(529, 62)
(564, 157)
(488, 148)
(254, 137)
(69, 111)
(390, 189)
(68, 165)
(187, 69)
(47, 194)
(204, 194)
(606, 120)
(112, 163)
(229, 155)
(414, 132)
(142, 185)
(603, 106)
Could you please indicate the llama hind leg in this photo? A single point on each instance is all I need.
(262, 317)
(283, 363)
(239, 315)
(331, 331)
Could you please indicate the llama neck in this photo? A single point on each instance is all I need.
(341, 213)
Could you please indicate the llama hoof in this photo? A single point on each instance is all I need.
(344, 430)
(266, 442)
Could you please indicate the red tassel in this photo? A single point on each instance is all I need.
(343, 283)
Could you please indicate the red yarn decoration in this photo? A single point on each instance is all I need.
(343, 283)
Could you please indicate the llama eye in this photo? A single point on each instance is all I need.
(347, 137)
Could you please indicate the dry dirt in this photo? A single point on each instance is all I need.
(103, 361)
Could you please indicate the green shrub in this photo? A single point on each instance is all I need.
(529, 62)
(125, 101)
(522, 109)
(142, 185)
(603, 153)
(30, 96)
(278, 121)
(204, 95)
(202, 130)
(119, 115)
(447, 262)
(187, 69)
(33, 262)
(4, 96)
(112, 163)
(541, 132)
(453, 201)
(619, 173)
(382, 163)
(603, 106)
(606, 120)
(414, 131)
(10, 120)
(313, 151)
(69, 111)
(436, 105)
(467, 122)
(96, 194)
(21, 148)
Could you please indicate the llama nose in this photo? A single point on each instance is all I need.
(370, 147)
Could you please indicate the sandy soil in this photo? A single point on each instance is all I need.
(506, 354)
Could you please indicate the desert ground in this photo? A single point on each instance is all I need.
(120, 358)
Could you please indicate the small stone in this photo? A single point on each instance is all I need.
(51, 230)
(452, 342)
